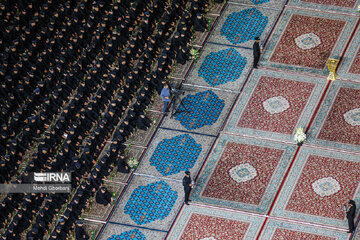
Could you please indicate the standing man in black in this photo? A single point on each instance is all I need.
(256, 51)
(350, 215)
(187, 186)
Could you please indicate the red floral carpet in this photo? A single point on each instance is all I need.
(341, 3)
(243, 173)
(335, 127)
(202, 226)
(204, 223)
(319, 183)
(326, 201)
(285, 234)
(274, 104)
(303, 40)
(316, 54)
(258, 117)
(223, 186)
(337, 123)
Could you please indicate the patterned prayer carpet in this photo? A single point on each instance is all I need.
(206, 223)
(240, 24)
(303, 40)
(236, 176)
(274, 104)
(172, 152)
(221, 67)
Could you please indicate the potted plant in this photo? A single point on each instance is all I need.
(133, 163)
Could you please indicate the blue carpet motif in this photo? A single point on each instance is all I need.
(152, 202)
(240, 27)
(174, 155)
(132, 234)
(222, 67)
(196, 111)
(259, 1)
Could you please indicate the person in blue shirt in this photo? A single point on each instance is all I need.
(165, 96)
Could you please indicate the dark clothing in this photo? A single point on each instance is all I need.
(187, 187)
(122, 166)
(200, 25)
(350, 215)
(256, 52)
(80, 233)
(103, 198)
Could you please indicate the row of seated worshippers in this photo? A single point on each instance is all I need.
(89, 152)
(113, 156)
(74, 110)
(35, 124)
(63, 70)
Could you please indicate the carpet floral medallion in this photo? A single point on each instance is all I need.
(151, 202)
(223, 66)
(211, 224)
(319, 183)
(274, 4)
(132, 234)
(273, 105)
(235, 174)
(171, 153)
(240, 24)
(176, 154)
(196, 111)
(304, 40)
(338, 121)
(275, 230)
(240, 27)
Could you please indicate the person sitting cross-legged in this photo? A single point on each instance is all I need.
(104, 197)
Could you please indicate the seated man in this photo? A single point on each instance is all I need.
(80, 232)
(104, 197)
(122, 165)
(199, 23)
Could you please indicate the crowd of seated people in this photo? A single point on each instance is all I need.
(76, 73)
